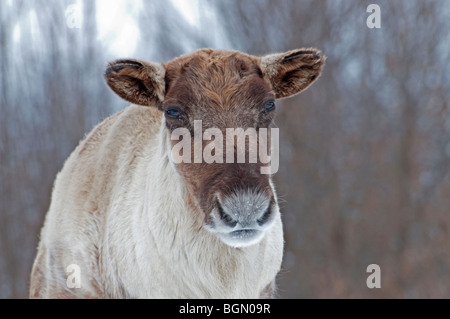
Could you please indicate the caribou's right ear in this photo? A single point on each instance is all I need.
(136, 81)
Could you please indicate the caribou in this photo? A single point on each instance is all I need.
(126, 220)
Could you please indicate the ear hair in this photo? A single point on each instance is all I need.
(292, 72)
(135, 81)
(302, 52)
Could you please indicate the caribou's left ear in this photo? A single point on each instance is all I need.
(138, 82)
(293, 71)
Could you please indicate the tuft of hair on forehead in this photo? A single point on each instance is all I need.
(209, 63)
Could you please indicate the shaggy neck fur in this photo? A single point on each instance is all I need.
(188, 261)
(119, 212)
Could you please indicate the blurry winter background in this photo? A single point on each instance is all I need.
(365, 152)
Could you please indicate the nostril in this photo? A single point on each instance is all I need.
(265, 216)
(227, 219)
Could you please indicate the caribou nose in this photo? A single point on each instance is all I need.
(241, 218)
(245, 210)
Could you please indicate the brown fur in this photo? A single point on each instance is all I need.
(222, 89)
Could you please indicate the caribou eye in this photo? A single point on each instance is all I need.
(270, 106)
(173, 113)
